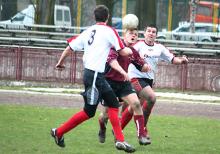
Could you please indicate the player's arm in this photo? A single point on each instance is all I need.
(125, 51)
(115, 65)
(168, 56)
(112, 61)
(138, 62)
(65, 53)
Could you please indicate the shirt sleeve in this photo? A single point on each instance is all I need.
(136, 60)
(115, 40)
(166, 54)
(71, 39)
(112, 55)
(76, 43)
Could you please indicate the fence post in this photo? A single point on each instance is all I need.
(73, 68)
(18, 63)
(184, 71)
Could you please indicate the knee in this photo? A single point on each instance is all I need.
(136, 105)
(152, 99)
(90, 114)
(104, 113)
(90, 111)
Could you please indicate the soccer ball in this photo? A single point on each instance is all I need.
(130, 21)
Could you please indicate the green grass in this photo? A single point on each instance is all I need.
(25, 129)
(12, 87)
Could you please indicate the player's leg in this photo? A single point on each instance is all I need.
(103, 120)
(148, 98)
(113, 104)
(126, 116)
(123, 107)
(135, 106)
(125, 91)
(83, 115)
(146, 117)
(141, 86)
(75, 120)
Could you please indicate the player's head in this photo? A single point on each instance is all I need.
(150, 32)
(101, 13)
(151, 26)
(130, 36)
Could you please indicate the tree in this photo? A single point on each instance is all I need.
(110, 5)
(192, 4)
(146, 12)
(9, 9)
(44, 12)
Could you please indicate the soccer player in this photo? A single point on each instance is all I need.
(118, 80)
(142, 82)
(96, 42)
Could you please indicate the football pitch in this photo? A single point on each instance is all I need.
(26, 129)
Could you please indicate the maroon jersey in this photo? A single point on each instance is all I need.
(124, 62)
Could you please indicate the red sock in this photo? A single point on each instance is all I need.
(113, 117)
(75, 120)
(139, 122)
(125, 118)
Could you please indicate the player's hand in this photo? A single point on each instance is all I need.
(59, 67)
(126, 77)
(146, 68)
(184, 59)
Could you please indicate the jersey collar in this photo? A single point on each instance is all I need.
(148, 44)
(100, 23)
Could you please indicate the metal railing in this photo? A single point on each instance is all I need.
(56, 36)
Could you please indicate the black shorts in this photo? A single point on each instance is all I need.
(139, 83)
(105, 91)
(121, 88)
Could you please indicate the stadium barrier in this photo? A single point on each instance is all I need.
(23, 63)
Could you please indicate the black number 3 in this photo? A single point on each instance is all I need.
(90, 41)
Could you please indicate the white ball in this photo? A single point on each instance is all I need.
(130, 21)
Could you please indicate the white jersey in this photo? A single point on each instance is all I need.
(96, 42)
(151, 55)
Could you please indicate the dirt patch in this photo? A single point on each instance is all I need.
(211, 111)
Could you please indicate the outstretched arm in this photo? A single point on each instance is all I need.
(65, 53)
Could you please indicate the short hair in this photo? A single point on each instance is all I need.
(101, 13)
(127, 29)
(151, 25)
